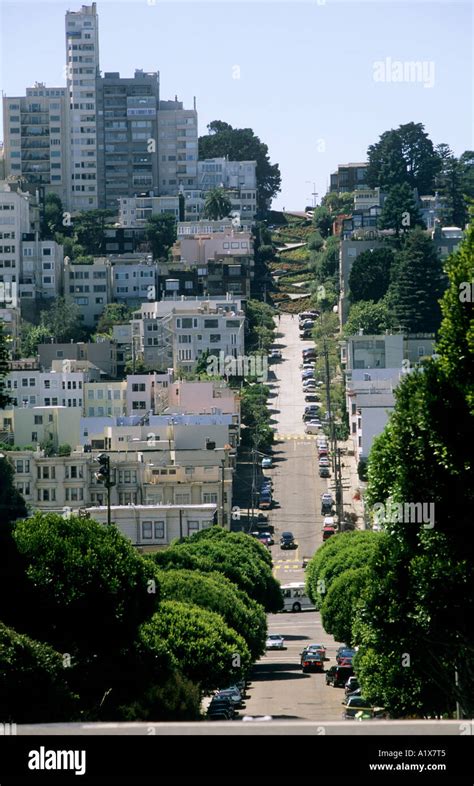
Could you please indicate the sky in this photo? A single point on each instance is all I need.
(317, 80)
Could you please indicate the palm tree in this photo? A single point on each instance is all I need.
(217, 205)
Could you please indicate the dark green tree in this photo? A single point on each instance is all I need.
(450, 186)
(207, 651)
(418, 283)
(62, 321)
(403, 155)
(89, 230)
(113, 314)
(369, 278)
(33, 686)
(372, 318)
(466, 165)
(241, 144)
(52, 219)
(5, 399)
(214, 592)
(217, 205)
(160, 231)
(400, 211)
(341, 600)
(322, 220)
(12, 504)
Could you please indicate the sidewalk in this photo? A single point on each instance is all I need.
(351, 485)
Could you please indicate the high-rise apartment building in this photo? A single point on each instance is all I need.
(127, 133)
(177, 147)
(82, 71)
(36, 134)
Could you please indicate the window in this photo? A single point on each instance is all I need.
(182, 499)
(209, 498)
(138, 387)
(22, 466)
(38, 420)
(210, 323)
(193, 526)
(215, 338)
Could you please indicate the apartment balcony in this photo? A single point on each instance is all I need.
(35, 143)
(35, 156)
(160, 475)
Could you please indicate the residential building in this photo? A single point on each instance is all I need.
(82, 72)
(36, 134)
(18, 216)
(105, 398)
(134, 278)
(10, 320)
(203, 398)
(177, 147)
(127, 130)
(55, 425)
(365, 198)
(153, 527)
(42, 268)
(175, 333)
(387, 351)
(446, 239)
(203, 227)
(89, 287)
(348, 177)
(135, 211)
(98, 353)
(36, 388)
(147, 393)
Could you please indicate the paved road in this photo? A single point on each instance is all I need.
(279, 688)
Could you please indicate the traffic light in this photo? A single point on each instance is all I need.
(103, 473)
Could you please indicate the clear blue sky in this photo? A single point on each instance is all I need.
(306, 82)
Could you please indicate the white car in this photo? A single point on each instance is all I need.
(267, 462)
(275, 642)
(313, 427)
(324, 461)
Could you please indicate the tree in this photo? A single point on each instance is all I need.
(315, 241)
(341, 601)
(207, 651)
(322, 220)
(417, 285)
(52, 221)
(420, 595)
(113, 314)
(160, 231)
(62, 321)
(31, 336)
(450, 183)
(338, 204)
(400, 211)
(33, 686)
(369, 278)
(372, 318)
(236, 555)
(12, 504)
(88, 585)
(241, 144)
(89, 230)
(217, 205)
(466, 166)
(216, 593)
(403, 155)
(5, 399)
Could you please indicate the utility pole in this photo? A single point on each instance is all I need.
(222, 490)
(254, 454)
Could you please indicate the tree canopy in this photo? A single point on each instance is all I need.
(160, 231)
(372, 318)
(241, 144)
(403, 155)
(217, 205)
(400, 211)
(369, 278)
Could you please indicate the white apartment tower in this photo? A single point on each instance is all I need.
(82, 70)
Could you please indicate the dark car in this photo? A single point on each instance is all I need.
(312, 661)
(311, 397)
(324, 472)
(287, 541)
(341, 676)
(345, 653)
(351, 685)
(221, 709)
(328, 532)
(330, 674)
(263, 526)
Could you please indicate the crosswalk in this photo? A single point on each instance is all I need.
(287, 565)
(287, 437)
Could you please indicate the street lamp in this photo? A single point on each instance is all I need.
(103, 475)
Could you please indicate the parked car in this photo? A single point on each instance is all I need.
(328, 521)
(357, 704)
(275, 354)
(351, 685)
(263, 526)
(341, 675)
(267, 462)
(309, 385)
(330, 675)
(324, 472)
(221, 708)
(287, 541)
(232, 693)
(312, 661)
(275, 642)
(311, 397)
(323, 461)
(312, 415)
(345, 653)
(313, 427)
(328, 532)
